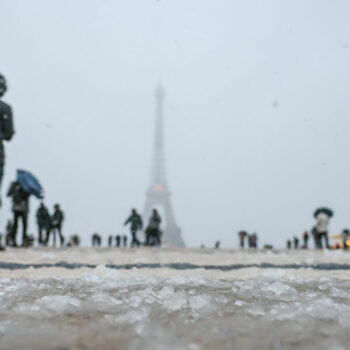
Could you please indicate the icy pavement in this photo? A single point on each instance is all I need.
(164, 308)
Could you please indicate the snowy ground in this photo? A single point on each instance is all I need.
(173, 299)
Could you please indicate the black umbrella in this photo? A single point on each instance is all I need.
(326, 211)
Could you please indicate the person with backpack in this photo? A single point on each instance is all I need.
(44, 221)
(136, 224)
(6, 125)
(20, 209)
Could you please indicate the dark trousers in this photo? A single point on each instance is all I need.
(153, 238)
(54, 229)
(16, 216)
(41, 228)
(241, 242)
(323, 236)
(134, 240)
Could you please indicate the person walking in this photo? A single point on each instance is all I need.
(56, 224)
(296, 242)
(44, 221)
(306, 240)
(136, 224)
(6, 125)
(242, 236)
(153, 230)
(20, 209)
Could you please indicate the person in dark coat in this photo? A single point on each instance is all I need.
(20, 209)
(56, 224)
(44, 221)
(6, 125)
(110, 241)
(242, 236)
(125, 240)
(96, 240)
(9, 227)
(153, 232)
(136, 224)
(306, 240)
(296, 243)
(289, 244)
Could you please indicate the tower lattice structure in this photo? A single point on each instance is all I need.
(158, 194)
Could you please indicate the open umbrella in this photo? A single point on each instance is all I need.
(29, 183)
(326, 211)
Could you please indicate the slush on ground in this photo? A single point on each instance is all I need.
(84, 298)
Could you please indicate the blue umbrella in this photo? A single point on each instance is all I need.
(29, 183)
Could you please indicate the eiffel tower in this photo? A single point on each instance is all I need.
(158, 194)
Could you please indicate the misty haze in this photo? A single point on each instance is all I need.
(174, 174)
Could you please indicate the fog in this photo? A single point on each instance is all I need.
(256, 111)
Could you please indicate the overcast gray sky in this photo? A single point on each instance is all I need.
(257, 110)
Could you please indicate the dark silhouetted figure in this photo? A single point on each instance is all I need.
(96, 240)
(153, 232)
(217, 245)
(110, 241)
(136, 224)
(242, 236)
(125, 240)
(117, 240)
(56, 224)
(253, 241)
(289, 244)
(74, 241)
(2, 248)
(43, 220)
(320, 230)
(345, 238)
(9, 227)
(296, 242)
(6, 125)
(306, 240)
(20, 208)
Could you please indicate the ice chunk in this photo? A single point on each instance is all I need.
(176, 302)
(199, 301)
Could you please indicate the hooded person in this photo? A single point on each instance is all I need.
(6, 124)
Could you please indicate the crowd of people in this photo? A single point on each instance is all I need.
(48, 225)
(153, 233)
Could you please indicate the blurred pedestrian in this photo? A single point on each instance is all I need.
(125, 240)
(110, 241)
(136, 224)
(345, 238)
(96, 240)
(320, 230)
(20, 209)
(306, 240)
(289, 244)
(296, 243)
(6, 125)
(43, 220)
(242, 237)
(117, 240)
(56, 224)
(153, 233)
